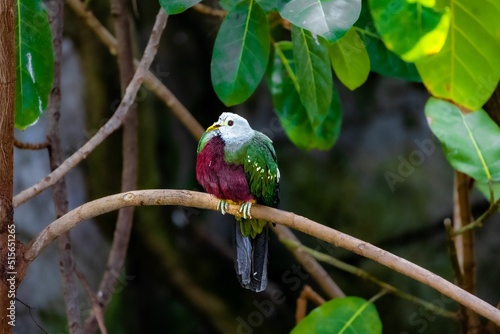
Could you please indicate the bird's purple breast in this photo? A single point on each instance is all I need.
(219, 178)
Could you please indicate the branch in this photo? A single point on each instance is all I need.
(7, 97)
(366, 276)
(123, 228)
(30, 146)
(59, 194)
(111, 125)
(309, 263)
(150, 80)
(205, 201)
(464, 244)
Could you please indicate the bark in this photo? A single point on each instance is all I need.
(7, 230)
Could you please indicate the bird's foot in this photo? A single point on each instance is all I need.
(222, 206)
(245, 209)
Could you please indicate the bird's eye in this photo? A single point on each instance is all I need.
(230, 123)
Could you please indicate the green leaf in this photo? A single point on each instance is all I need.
(412, 29)
(466, 71)
(34, 62)
(313, 74)
(290, 110)
(177, 6)
(341, 315)
(330, 19)
(267, 5)
(228, 4)
(350, 60)
(241, 53)
(470, 141)
(382, 61)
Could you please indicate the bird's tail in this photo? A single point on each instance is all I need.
(251, 258)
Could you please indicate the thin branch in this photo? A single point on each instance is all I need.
(319, 274)
(452, 251)
(205, 201)
(150, 80)
(306, 294)
(59, 194)
(123, 228)
(493, 208)
(204, 9)
(30, 146)
(96, 308)
(367, 276)
(111, 125)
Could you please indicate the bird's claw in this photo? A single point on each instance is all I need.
(245, 210)
(222, 206)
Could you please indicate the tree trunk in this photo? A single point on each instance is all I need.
(7, 230)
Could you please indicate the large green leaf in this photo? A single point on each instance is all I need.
(467, 69)
(382, 60)
(177, 6)
(241, 53)
(471, 141)
(290, 110)
(34, 62)
(350, 60)
(313, 74)
(330, 19)
(341, 316)
(411, 28)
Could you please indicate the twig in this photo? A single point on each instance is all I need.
(306, 294)
(123, 228)
(60, 197)
(480, 220)
(319, 274)
(366, 276)
(204, 9)
(96, 308)
(111, 125)
(31, 146)
(452, 251)
(150, 81)
(464, 244)
(205, 201)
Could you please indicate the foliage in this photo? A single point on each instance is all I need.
(34, 62)
(341, 315)
(469, 140)
(381, 36)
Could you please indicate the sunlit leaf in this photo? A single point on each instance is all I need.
(382, 60)
(350, 60)
(466, 71)
(341, 316)
(290, 110)
(177, 6)
(330, 19)
(411, 28)
(241, 52)
(313, 74)
(470, 141)
(34, 62)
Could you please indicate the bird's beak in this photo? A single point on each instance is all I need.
(214, 126)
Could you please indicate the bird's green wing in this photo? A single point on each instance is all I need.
(261, 169)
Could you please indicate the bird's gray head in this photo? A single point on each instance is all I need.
(233, 129)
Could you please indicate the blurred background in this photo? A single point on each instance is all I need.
(385, 181)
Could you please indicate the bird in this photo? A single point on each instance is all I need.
(238, 165)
